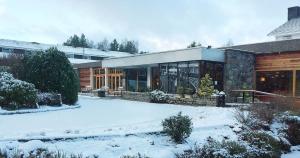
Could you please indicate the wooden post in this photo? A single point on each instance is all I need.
(243, 97)
(116, 83)
(106, 79)
(294, 83)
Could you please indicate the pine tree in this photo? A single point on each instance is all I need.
(206, 86)
(76, 41)
(122, 46)
(83, 41)
(114, 45)
(129, 46)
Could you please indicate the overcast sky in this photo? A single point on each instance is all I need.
(156, 24)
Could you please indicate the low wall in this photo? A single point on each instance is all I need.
(174, 99)
(136, 96)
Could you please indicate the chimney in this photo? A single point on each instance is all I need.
(293, 12)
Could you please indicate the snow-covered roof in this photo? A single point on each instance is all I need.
(290, 27)
(34, 46)
(80, 61)
(179, 55)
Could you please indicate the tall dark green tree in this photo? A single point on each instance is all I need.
(129, 46)
(83, 42)
(51, 71)
(76, 41)
(114, 45)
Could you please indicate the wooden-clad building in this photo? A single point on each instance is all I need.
(93, 76)
(277, 63)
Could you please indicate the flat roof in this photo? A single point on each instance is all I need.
(189, 54)
(35, 46)
(88, 65)
(269, 47)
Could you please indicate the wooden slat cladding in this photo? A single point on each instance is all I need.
(84, 75)
(278, 61)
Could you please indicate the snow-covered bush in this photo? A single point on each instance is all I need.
(264, 113)
(246, 118)
(178, 127)
(216, 149)
(39, 152)
(293, 128)
(50, 99)
(184, 90)
(51, 71)
(16, 93)
(3, 153)
(135, 156)
(262, 144)
(158, 96)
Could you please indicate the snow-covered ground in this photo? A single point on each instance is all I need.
(112, 127)
(42, 108)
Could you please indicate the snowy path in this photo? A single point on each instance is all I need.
(111, 121)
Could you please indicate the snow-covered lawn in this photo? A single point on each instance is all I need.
(112, 127)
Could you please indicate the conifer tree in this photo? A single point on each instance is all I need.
(206, 86)
(114, 45)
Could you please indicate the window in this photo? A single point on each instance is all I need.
(7, 50)
(76, 56)
(96, 58)
(278, 82)
(70, 55)
(172, 70)
(194, 77)
(183, 74)
(19, 51)
(102, 71)
(164, 77)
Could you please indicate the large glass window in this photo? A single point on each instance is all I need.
(136, 80)
(297, 83)
(194, 75)
(218, 78)
(183, 74)
(278, 82)
(164, 77)
(142, 80)
(215, 71)
(172, 70)
(155, 77)
(131, 76)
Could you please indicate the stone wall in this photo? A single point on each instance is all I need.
(239, 72)
(136, 96)
(173, 99)
(195, 101)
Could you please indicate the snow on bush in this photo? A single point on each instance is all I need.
(50, 99)
(216, 149)
(263, 144)
(16, 93)
(292, 130)
(178, 127)
(158, 96)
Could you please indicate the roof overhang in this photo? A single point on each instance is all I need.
(88, 65)
(190, 54)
